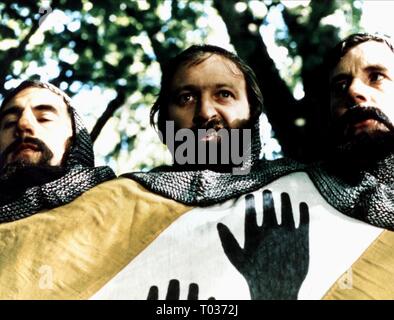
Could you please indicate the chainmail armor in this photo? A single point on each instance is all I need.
(81, 176)
(370, 198)
(207, 187)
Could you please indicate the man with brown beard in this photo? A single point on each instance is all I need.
(210, 97)
(46, 156)
(208, 109)
(361, 97)
(360, 166)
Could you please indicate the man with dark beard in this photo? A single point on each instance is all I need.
(46, 156)
(214, 96)
(360, 166)
(361, 97)
(46, 180)
(27, 113)
(361, 120)
(211, 94)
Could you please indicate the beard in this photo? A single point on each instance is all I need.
(23, 173)
(45, 154)
(214, 145)
(365, 148)
(214, 124)
(16, 179)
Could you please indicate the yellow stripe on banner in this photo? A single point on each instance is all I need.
(70, 252)
(371, 276)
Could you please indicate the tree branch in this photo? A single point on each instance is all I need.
(15, 54)
(108, 113)
(19, 52)
(313, 42)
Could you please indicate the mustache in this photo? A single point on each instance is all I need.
(215, 123)
(362, 113)
(40, 146)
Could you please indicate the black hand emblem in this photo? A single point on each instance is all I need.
(275, 258)
(173, 292)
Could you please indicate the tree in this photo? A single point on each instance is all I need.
(118, 45)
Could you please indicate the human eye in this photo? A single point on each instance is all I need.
(339, 87)
(46, 116)
(225, 94)
(376, 76)
(8, 124)
(184, 98)
(44, 119)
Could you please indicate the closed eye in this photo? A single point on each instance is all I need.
(9, 124)
(44, 119)
(45, 116)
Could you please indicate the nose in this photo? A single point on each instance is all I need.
(358, 93)
(205, 110)
(25, 124)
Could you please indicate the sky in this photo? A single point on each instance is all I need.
(377, 17)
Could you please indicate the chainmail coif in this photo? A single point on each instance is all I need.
(207, 187)
(369, 197)
(80, 176)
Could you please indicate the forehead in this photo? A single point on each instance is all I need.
(369, 53)
(32, 96)
(212, 69)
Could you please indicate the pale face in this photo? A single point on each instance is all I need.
(34, 113)
(364, 77)
(214, 88)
